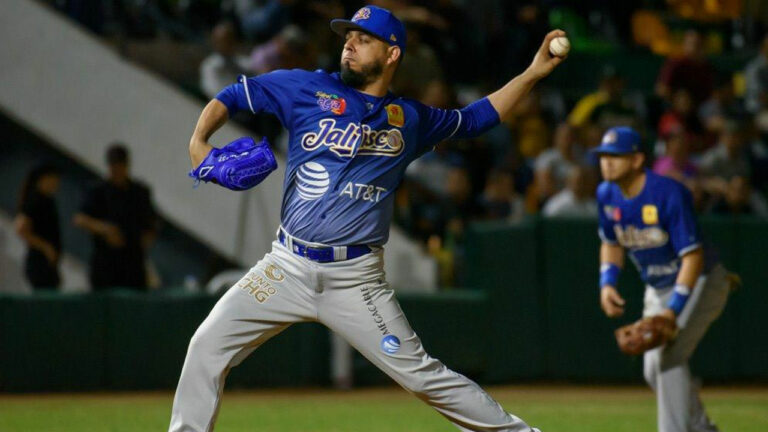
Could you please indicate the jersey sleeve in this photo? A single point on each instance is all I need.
(272, 92)
(436, 124)
(605, 225)
(680, 220)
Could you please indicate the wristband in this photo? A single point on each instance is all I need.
(609, 275)
(679, 298)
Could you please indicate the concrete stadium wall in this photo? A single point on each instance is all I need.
(78, 93)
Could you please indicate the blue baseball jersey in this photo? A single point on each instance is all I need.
(657, 227)
(348, 151)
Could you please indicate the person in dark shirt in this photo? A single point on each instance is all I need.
(118, 212)
(37, 223)
(691, 72)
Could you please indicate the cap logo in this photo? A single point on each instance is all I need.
(610, 137)
(362, 14)
(392, 38)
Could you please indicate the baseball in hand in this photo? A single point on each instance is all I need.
(559, 46)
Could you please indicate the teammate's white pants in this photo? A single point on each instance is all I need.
(349, 297)
(666, 368)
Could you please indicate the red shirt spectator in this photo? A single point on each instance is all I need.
(692, 71)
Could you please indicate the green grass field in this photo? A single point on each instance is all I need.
(561, 409)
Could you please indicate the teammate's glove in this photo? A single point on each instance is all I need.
(645, 334)
(239, 165)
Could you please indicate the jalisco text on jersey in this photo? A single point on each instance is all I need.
(640, 238)
(386, 142)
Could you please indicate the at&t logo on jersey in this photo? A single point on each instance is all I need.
(312, 181)
(331, 102)
(361, 191)
(390, 344)
(636, 238)
(387, 142)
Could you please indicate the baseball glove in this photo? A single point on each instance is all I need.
(645, 334)
(239, 165)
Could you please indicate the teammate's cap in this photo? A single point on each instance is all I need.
(618, 141)
(377, 21)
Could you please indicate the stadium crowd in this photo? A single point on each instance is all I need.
(705, 127)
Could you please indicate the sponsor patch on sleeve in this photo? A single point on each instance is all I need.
(395, 115)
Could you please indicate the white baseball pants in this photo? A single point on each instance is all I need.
(351, 298)
(666, 368)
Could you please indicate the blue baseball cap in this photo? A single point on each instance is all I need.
(618, 141)
(376, 21)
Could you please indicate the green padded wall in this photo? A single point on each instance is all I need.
(50, 342)
(505, 262)
(529, 311)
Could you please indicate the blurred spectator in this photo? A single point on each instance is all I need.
(723, 105)
(756, 75)
(262, 19)
(37, 223)
(458, 210)
(288, 50)
(681, 116)
(520, 28)
(458, 206)
(728, 159)
(553, 166)
(224, 65)
(529, 126)
(676, 162)
(578, 197)
(500, 200)
(740, 199)
(437, 94)
(758, 156)
(119, 214)
(431, 170)
(606, 107)
(707, 10)
(521, 171)
(418, 69)
(691, 71)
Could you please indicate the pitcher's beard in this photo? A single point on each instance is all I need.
(367, 74)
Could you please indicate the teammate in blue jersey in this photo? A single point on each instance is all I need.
(350, 141)
(652, 218)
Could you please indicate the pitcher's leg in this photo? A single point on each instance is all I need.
(262, 304)
(370, 318)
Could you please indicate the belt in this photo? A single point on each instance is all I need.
(322, 254)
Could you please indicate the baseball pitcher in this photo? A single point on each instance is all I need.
(350, 143)
(652, 218)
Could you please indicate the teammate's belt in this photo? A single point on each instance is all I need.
(321, 254)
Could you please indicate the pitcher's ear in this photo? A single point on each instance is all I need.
(394, 55)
